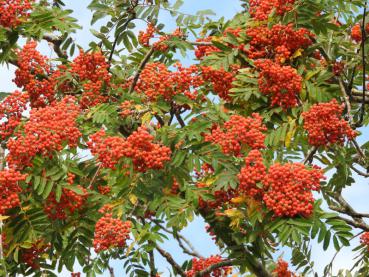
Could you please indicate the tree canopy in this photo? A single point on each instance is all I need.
(109, 151)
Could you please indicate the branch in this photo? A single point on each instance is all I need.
(346, 208)
(356, 224)
(200, 43)
(346, 99)
(140, 68)
(111, 271)
(56, 42)
(180, 120)
(160, 120)
(180, 238)
(249, 259)
(152, 264)
(363, 54)
(366, 175)
(213, 267)
(309, 158)
(172, 262)
(358, 149)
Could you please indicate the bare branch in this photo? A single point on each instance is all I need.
(180, 238)
(366, 175)
(171, 261)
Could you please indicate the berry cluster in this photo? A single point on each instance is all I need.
(204, 50)
(281, 83)
(221, 197)
(252, 174)
(110, 233)
(75, 274)
(338, 68)
(203, 263)
(325, 125)
(104, 190)
(279, 42)
(356, 34)
(175, 187)
(208, 230)
(157, 80)
(92, 70)
(160, 45)
(282, 269)
(261, 9)
(33, 74)
(68, 204)
(220, 80)
(11, 109)
(145, 36)
(126, 108)
(32, 256)
(138, 146)
(47, 130)
(9, 189)
(13, 12)
(289, 189)
(364, 239)
(237, 133)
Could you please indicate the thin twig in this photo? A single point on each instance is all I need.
(363, 55)
(213, 267)
(366, 175)
(178, 236)
(95, 175)
(171, 261)
(358, 149)
(346, 98)
(111, 271)
(335, 255)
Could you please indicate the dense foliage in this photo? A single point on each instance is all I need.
(107, 152)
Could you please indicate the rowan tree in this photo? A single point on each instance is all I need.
(109, 151)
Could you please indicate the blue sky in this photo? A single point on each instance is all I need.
(357, 194)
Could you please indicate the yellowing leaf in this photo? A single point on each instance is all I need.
(139, 107)
(238, 200)
(297, 53)
(3, 217)
(236, 216)
(133, 198)
(146, 118)
(210, 181)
